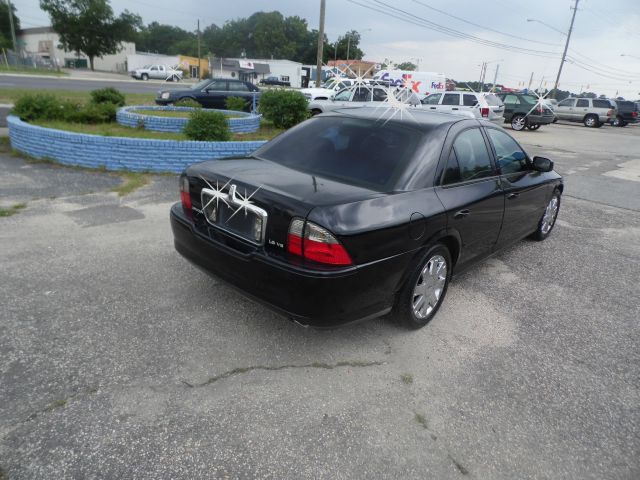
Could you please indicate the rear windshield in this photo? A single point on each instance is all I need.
(354, 151)
(493, 100)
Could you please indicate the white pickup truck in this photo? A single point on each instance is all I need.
(158, 72)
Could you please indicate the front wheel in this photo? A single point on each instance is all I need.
(144, 76)
(424, 292)
(315, 111)
(548, 220)
(518, 122)
(534, 126)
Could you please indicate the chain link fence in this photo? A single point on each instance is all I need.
(26, 60)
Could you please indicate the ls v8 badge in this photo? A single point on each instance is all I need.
(220, 208)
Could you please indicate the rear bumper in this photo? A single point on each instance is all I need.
(310, 297)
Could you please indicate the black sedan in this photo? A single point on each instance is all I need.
(212, 93)
(358, 212)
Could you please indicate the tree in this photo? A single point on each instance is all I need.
(90, 26)
(406, 66)
(5, 25)
(164, 39)
(347, 47)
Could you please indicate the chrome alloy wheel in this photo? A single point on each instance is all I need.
(550, 215)
(518, 123)
(429, 286)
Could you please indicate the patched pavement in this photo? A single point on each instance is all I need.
(118, 359)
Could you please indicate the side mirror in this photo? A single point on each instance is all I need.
(542, 164)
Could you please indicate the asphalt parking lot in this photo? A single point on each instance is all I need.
(118, 359)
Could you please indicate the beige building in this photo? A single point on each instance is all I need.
(45, 43)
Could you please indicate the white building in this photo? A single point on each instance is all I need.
(254, 70)
(45, 43)
(140, 59)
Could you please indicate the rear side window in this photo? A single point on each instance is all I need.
(217, 85)
(582, 103)
(451, 99)
(511, 99)
(362, 94)
(602, 104)
(469, 100)
(469, 158)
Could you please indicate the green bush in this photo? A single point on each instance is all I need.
(236, 103)
(207, 126)
(93, 113)
(108, 95)
(284, 108)
(187, 102)
(38, 106)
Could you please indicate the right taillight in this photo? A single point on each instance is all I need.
(313, 242)
(185, 195)
(484, 111)
(610, 113)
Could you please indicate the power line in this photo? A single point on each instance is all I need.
(484, 27)
(424, 23)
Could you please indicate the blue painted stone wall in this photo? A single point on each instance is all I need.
(118, 153)
(128, 117)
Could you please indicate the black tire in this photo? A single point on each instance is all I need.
(592, 121)
(533, 126)
(144, 76)
(315, 112)
(518, 122)
(403, 312)
(544, 230)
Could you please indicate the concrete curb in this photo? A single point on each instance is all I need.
(118, 153)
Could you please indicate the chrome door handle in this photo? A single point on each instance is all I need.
(512, 195)
(432, 108)
(454, 108)
(461, 213)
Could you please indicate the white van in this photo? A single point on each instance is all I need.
(422, 83)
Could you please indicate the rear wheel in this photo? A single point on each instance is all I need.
(424, 292)
(518, 122)
(533, 126)
(549, 216)
(591, 121)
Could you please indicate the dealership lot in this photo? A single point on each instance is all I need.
(118, 359)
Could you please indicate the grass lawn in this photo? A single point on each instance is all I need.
(32, 71)
(10, 95)
(266, 132)
(177, 114)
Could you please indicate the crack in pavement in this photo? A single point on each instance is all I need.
(241, 370)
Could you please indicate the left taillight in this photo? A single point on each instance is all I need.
(313, 242)
(185, 195)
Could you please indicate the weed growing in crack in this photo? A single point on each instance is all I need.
(406, 378)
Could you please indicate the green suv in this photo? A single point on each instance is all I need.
(525, 111)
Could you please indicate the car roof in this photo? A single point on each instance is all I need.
(415, 117)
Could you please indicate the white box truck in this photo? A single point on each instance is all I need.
(422, 83)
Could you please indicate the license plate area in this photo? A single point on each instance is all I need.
(235, 214)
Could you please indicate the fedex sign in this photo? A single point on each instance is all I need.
(422, 83)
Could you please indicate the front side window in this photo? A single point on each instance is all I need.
(432, 99)
(451, 99)
(362, 94)
(343, 95)
(379, 94)
(470, 158)
(511, 158)
(569, 102)
(217, 85)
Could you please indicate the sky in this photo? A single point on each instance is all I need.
(604, 49)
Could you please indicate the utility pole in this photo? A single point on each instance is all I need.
(530, 81)
(566, 46)
(482, 67)
(199, 73)
(495, 77)
(13, 28)
(320, 44)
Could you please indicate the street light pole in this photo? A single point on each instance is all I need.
(566, 47)
(13, 28)
(320, 44)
